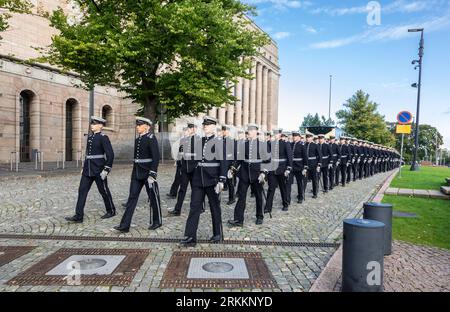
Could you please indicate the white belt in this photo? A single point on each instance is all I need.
(343, 156)
(190, 154)
(325, 157)
(209, 164)
(95, 156)
(310, 158)
(297, 159)
(284, 159)
(145, 160)
(334, 154)
(252, 161)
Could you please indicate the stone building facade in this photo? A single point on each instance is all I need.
(41, 109)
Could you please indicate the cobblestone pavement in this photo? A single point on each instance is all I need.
(415, 268)
(38, 207)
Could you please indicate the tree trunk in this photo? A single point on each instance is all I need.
(150, 108)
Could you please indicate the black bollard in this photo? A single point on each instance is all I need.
(362, 256)
(383, 213)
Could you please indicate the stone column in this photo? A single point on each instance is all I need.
(253, 95)
(213, 112)
(222, 115)
(269, 99)
(274, 103)
(259, 86)
(238, 105)
(264, 99)
(245, 103)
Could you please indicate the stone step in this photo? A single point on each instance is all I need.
(445, 190)
(448, 181)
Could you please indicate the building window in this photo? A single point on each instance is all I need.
(107, 115)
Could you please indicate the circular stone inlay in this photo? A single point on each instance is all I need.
(91, 264)
(2, 253)
(217, 267)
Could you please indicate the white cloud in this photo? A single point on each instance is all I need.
(309, 29)
(385, 33)
(281, 35)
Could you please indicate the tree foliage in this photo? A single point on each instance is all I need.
(360, 118)
(178, 55)
(429, 139)
(316, 121)
(11, 6)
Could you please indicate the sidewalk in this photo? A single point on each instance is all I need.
(410, 268)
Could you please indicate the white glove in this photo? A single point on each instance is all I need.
(286, 173)
(353, 161)
(337, 163)
(304, 172)
(318, 169)
(219, 187)
(103, 174)
(230, 174)
(330, 166)
(359, 160)
(151, 180)
(262, 178)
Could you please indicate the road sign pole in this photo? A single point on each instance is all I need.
(401, 158)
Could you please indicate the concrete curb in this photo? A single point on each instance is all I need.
(329, 277)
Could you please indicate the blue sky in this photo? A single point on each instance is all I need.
(344, 39)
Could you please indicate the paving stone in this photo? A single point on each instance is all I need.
(421, 193)
(405, 192)
(391, 191)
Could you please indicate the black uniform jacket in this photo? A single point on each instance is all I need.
(146, 156)
(99, 155)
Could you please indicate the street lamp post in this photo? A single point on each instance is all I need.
(414, 165)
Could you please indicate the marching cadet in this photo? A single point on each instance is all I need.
(350, 160)
(290, 179)
(325, 151)
(281, 166)
(312, 162)
(371, 158)
(299, 172)
(187, 149)
(97, 166)
(344, 152)
(208, 179)
(250, 173)
(145, 168)
(356, 157)
(334, 158)
(177, 179)
(229, 145)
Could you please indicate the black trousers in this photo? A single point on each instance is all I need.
(366, 169)
(337, 171)
(325, 172)
(275, 180)
(176, 182)
(197, 198)
(153, 195)
(313, 175)
(230, 184)
(290, 181)
(331, 176)
(242, 198)
(349, 172)
(355, 170)
(343, 173)
(185, 180)
(301, 183)
(83, 190)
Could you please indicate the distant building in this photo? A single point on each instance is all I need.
(41, 110)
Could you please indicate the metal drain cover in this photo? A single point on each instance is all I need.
(2, 253)
(90, 264)
(217, 267)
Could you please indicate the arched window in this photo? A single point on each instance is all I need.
(107, 115)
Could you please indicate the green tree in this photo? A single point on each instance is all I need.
(11, 6)
(316, 121)
(360, 118)
(429, 139)
(183, 56)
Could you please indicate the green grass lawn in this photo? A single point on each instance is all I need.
(432, 225)
(426, 178)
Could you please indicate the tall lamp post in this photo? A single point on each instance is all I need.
(329, 100)
(414, 165)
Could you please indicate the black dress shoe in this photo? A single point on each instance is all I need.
(314, 196)
(299, 201)
(235, 223)
(325, 191)
(231, 202)
(267, 210)
(74, 219)
(285, 208)
(121, 229)
(171, 196)
(259, 221)
(188, 242)
(215, 239)
(174, 213)
(108, 215)
(154, 226)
